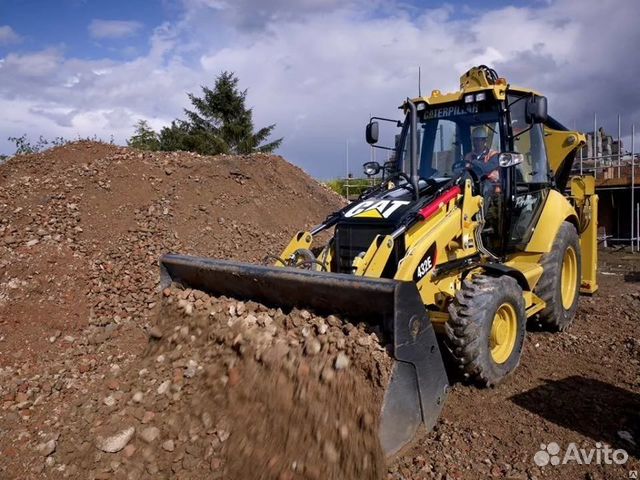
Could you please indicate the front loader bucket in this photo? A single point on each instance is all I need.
(418, 384)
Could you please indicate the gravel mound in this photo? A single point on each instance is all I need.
(82, 226)
(235, 390)
(81, 230)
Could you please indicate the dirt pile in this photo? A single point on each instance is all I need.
(82, 227)
(81, 230)
(235, 390)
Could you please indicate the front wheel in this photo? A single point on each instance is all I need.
(486, 329)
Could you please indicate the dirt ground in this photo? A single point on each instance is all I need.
(81, 229)
(226, 389)
(581, 386)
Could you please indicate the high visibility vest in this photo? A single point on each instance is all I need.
(484, 157)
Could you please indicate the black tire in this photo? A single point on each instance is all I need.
(469, 329)
(557, 316)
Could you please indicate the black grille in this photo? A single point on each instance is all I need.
(351, 240)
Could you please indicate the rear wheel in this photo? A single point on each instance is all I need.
(486, 329)
(559, 285)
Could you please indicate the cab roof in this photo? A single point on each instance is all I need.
(477, 79)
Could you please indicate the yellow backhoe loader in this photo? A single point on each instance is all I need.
(476, 229)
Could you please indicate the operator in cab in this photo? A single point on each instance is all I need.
(483, 159)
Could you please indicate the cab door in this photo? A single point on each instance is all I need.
(531, 180)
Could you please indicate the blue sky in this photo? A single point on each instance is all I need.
(316, 68)
(66, 23)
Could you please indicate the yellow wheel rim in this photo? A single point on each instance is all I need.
(504, 331)
(569, 279)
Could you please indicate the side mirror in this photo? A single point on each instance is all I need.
(510, 159)
(371, 133)
(371, 168)
(536, 109)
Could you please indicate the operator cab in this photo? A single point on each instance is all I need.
(499, 144)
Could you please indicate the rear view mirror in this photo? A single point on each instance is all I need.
(372, 133)
(536, 109)
(371, 168)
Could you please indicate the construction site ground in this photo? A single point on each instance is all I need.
(81, 230)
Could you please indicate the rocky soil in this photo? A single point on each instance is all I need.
(102, 375)
(81, 230)
(581, 386)
(226, 389)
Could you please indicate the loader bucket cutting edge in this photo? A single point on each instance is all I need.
(418, 385)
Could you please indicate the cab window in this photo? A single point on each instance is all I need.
(534, 168)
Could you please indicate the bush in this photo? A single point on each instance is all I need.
(353, 187)
(25, 147)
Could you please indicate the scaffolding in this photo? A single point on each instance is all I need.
(613, 169)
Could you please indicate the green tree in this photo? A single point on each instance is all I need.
(144, 138)
(219, 123)
(181, 136)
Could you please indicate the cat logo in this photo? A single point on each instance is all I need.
(375, 208)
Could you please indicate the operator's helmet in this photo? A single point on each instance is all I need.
(479, 133)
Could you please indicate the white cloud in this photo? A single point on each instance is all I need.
(252, 14)
(113, 29)
(33, 65)
(8, 36)
(318, 70)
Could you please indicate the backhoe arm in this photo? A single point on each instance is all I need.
(583, 194)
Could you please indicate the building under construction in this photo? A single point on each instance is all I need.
(617, 173)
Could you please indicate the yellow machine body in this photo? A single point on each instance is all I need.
(452, 229)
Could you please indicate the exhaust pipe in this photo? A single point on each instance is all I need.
(413, 151)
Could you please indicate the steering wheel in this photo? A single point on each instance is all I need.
(470, 170)
(461, 165)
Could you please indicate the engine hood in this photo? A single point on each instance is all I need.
(385, 207)
(389, 207)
